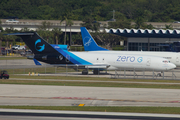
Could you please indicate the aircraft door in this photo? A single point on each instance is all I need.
(148, 62)
(177, 58)
(102, 60)
(97, 60)
(67, 58)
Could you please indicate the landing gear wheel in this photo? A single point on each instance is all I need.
(159, 74)
(84, 72)
(95, 72)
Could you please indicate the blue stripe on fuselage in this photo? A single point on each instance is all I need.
(73, 58)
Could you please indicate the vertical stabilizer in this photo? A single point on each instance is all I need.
(37, 44)
(51, 54)
(88, 41)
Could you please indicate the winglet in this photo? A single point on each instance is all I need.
(88, 41)
(36, 62)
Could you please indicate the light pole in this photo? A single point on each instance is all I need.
(113, 14)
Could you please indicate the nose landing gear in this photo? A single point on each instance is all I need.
(159, 74)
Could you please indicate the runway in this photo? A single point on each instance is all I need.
(16, 114)
(16, 64)
(42, 95)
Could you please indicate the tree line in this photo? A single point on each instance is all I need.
(90, 12)
(100, 10)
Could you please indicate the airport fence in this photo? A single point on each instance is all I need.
(116, 74)
(27, 67)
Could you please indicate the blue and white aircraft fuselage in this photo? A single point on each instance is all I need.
(58, 55)
(116, 61)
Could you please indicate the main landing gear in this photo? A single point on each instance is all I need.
(95, 72)
(84, 72)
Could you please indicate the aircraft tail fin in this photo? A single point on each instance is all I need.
(88, 41)
(51, 54)
(37, 44)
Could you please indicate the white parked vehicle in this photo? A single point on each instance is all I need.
(12, 21)
(176, 22)
(18, 47)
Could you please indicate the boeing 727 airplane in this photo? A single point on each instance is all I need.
(90, 45)
(57, 55)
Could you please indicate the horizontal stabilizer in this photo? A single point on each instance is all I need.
(19, 34)
(36, 62)
(62, 47)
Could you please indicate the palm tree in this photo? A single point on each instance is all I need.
(48, 34)
(70, 23)
(41, 33)
(25, 29)
(57, 32)
(0, 26)
(169, 27)
(1, 35)
(8, 38)
(65, 20)
(1, 38)
(45, 25)
(139, 23)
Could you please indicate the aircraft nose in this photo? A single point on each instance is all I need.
(172, 66)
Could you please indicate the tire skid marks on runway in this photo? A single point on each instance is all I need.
(84, 98)
(74, 98)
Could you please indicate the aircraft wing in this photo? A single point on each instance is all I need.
(94, 66)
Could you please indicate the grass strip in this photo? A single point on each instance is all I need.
(11, 58)
(90, 78)
(41, 70)
(90, 84)
(163, 110)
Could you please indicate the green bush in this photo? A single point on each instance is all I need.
(118, 47)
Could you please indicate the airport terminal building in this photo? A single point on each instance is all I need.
(147, 40)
